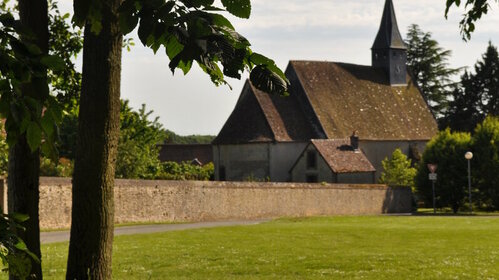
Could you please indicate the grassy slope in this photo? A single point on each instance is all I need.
(339, 247)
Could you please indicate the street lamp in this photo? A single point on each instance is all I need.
(469, 156)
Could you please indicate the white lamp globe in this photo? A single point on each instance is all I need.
(468, 155)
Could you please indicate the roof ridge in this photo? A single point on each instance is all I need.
(253, 91)
(318, 121)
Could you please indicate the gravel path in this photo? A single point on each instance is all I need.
(61, 236)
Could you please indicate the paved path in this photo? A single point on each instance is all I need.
(61, 236)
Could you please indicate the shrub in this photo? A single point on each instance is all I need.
(186, 171)
(398, 170)
(447, 150)
(63, 168)
(485, 162)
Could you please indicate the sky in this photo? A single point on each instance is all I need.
(324, 30)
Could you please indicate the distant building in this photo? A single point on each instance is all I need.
(269, 137)
(198, 154)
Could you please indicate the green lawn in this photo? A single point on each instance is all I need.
(372, 247)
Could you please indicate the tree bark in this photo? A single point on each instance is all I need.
(24, 165)
(92, 226)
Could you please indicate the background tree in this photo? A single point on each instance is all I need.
(487, 76)
(465, 108)
(190, 31)
(173, 138)
(24, 157)
(138, 153)
(485, 146)
(447, 150)
(429, 66)
(477, 95)
(24, 94)
(397, 170)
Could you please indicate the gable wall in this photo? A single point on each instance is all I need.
(376, 151)
(300, 171)
(258, 161)
(282, 158)
(242, 162)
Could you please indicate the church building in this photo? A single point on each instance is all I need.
(337, 125)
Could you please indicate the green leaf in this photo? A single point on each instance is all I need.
(53, 62)
(146, 29)
(220, 20)
(128, 20)
(33, 136)
(173, 47)
(18, 217)
(239, 8)
(21, 245)
(268, 81)
(257, 59)
(47, 124)
(197, 3)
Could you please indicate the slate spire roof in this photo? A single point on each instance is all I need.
(388, 34)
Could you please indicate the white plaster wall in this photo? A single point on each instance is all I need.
(242, 162)
(282, 157)
(323, 172)
(376, 151)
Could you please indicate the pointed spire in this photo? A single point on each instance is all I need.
(388, 35)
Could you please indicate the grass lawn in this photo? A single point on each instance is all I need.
(371, 247)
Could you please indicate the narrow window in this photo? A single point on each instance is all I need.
(221, 173)
(311, 160)
(312, 178)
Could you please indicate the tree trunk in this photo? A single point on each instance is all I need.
(92, 226)
(24, 165)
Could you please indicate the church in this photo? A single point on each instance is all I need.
(337, 125)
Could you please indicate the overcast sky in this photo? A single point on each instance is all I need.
(326, 30)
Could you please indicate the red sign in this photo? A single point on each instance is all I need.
(432, 167)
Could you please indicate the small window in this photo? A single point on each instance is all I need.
(312, 178)
(311, 160)
(221, 173)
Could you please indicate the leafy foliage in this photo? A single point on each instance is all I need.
(137, 149)
(191, 31)
(186, 171)
(66, 42)
(447, 150)
(485, 146)
(14, 254)
(397, 170)
(62, 168)
(20, 61)
(172, 137)
(478, 94)
(430, 68)
(474, 10)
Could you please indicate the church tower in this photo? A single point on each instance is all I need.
(389, 51)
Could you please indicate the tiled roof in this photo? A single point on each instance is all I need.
(247, 123)
(330, 100)
(341, 157)
(388, 33)
(263, 117)
(348, 97)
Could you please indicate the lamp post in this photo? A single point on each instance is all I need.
(469, 156)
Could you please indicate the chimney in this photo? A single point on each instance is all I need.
(354, 141)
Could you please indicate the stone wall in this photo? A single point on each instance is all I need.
(181, 201)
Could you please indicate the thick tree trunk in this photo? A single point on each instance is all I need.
(90, 247)
(23, 196)
(24, 165)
